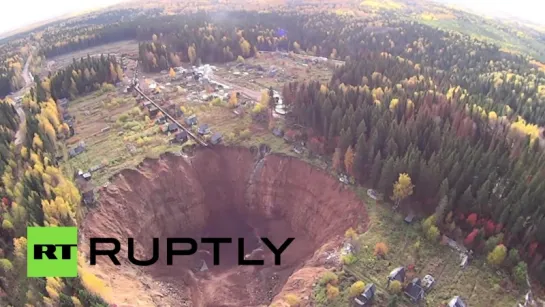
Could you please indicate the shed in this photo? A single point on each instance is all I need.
(456, 302)
(366, 297)
(76, 151)
(147, 104)
(178, 112)
(153, 111)
(414, 291)
(397, 274)
(87, 176)
(180, 137)
(161, 120)
(204, 129)
(88, 197)
(278, 132)
(216, 138)
(172, 127)
(191, 120)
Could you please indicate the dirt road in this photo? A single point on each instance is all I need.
(255, 95)
(28, 83)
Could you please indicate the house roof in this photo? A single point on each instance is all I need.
(203, 126)
(216, 137)
(369, 291)
(414, 290)
(181, 135)
(456, 302)
(396, 272)
(364, 298)
(172, 126)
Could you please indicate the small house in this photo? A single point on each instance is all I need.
(178, 113)
(456, 302)
(66, 117)
(153, 111)
(278, 132)
(180, 137)
(161, 121)
(87, 176)
(366, 297)
(414, 291)
(88, 197)
(172, 127)
(216, 138)
(76, 151)
(147, 104)
(191, 120)
(397, 274)
(204, 129)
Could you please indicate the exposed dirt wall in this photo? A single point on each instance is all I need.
(226, 191)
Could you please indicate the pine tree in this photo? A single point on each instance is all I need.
(387, 177)
(441, 211)
(349, 161)
(360, 159)
(376, 170)
(443, 189)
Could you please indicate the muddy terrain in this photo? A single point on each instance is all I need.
(221, 192)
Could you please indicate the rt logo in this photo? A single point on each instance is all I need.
(52, 252)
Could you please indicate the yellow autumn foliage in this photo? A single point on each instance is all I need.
(94, 284)
(53, 287)
(403, 187)
(57, 212)
(520, 126)
(37, 143)
(393, 104)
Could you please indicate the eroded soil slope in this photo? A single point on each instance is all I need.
(225, 192)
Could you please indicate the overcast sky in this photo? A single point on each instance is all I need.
(531, 10)
(18, 13)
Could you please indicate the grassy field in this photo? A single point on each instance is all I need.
(478, 284)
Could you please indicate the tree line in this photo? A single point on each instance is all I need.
(34, 192)
(83, 76)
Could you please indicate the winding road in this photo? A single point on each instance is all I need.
(28, 83)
